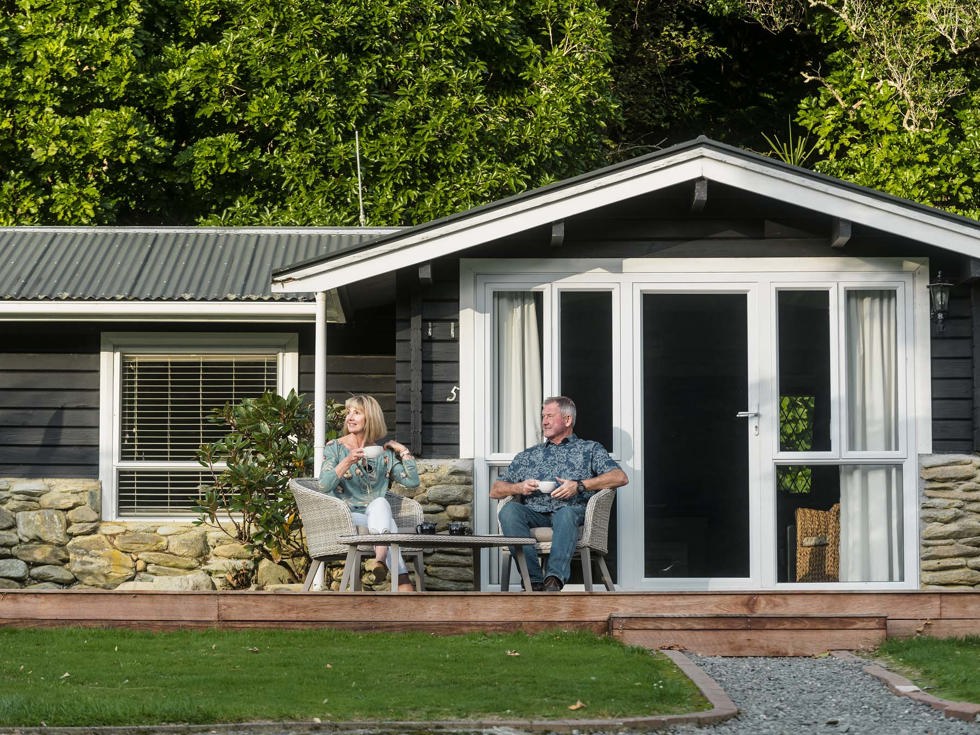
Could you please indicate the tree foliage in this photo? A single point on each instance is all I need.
(245, 111)
(896, 103)
(77, 141)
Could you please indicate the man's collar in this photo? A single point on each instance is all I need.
(570, 438)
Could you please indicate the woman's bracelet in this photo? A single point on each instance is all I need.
(405, 455)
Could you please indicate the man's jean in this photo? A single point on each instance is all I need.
(516, 519)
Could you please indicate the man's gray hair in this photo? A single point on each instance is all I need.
(565, 405)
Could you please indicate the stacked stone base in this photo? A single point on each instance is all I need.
(52, 536)
(950, 521)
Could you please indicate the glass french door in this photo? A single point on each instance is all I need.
(695, 439)
(768, 420)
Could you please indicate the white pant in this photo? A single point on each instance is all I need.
(377, 518)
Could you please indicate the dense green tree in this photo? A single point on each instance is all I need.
(685, 68)
(77, 141)
(245, 111)
(896, 103)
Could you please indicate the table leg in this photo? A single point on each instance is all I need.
(477, 558)
(522, 568)
(347, 581)
(393, 569)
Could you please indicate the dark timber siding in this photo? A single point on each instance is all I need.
(49, 389)
(49, 415)
(429, 366)
(953, 383)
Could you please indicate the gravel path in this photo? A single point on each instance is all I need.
(817, 695)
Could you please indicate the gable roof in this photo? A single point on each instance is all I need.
(161, 270)
(696, 159)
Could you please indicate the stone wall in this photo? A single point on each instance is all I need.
(950, 521)
(51, 536)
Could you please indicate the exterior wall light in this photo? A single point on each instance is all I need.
(939, 301)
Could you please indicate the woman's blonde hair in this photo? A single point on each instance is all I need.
(374, 418)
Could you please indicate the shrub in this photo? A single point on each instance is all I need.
(270, 441)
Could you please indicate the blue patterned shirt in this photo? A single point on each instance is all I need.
(573, 459)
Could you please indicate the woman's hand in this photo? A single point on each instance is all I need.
(354, 456)
(398, 448)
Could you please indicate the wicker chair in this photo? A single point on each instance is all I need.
(593, 541)
(818, 544)
(327, 518)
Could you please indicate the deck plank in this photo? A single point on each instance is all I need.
(780, 623)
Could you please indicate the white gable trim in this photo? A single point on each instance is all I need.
(743, 171)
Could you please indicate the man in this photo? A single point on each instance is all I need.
(579, 467)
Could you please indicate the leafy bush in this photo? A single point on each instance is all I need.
(270, 441)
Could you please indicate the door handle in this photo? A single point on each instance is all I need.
(747, 415)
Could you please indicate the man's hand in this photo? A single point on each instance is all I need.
(567, 489)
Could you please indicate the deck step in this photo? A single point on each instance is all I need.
(750, 635)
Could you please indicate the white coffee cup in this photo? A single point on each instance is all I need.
(373, 451)
(547, 486)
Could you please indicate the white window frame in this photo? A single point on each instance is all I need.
(479, 278)
(285, 345)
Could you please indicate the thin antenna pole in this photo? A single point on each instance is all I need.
(360, 198)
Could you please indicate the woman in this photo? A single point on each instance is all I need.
(362, 481)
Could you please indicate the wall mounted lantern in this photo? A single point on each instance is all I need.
(939, 301)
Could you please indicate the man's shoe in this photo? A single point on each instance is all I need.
(552, 584)
(535, 587)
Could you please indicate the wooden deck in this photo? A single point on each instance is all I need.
(721, 623)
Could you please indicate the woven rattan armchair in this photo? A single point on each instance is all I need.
(327, 518)
(593, 541)
(818, 544)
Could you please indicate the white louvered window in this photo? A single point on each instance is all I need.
(164, 400)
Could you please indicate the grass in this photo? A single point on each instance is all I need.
(86, 677)
(944, 667)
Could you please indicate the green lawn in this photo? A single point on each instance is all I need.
(945, 667)
(81, 676)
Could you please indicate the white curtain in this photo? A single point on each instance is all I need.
(871, 496)
(518, 383)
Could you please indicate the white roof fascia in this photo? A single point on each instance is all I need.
(774, 181)
(458, 234)
(825, 197)
(149, 310)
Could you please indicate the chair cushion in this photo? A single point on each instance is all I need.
(544, 534)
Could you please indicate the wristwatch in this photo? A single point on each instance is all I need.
(580, 487)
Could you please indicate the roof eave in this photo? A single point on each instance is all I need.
(702, 158)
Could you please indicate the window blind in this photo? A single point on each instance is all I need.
(166, 400)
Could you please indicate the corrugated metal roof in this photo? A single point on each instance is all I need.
(176, 264)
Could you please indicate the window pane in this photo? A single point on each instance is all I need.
(166, 401)
(839, 524)
(585, 356)
(872, 371)
(517, 371)
(804, 371)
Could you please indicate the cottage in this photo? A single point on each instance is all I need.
(753, 342)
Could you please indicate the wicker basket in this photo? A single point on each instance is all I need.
(818, 544)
